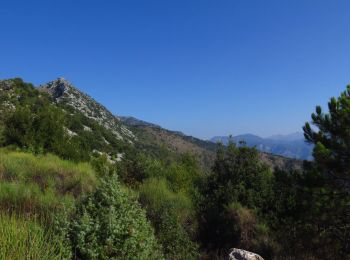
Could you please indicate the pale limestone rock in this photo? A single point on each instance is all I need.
(239, 254)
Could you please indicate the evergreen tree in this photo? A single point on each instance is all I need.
(332, 139)
(239, 188)
(329, 191)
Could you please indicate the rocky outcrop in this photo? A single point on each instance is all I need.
(239, 254)
(63, 91)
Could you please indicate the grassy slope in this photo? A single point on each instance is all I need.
(33, 190)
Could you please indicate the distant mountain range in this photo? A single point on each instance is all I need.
(291, 146)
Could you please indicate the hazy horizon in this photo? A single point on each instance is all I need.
(205, 68)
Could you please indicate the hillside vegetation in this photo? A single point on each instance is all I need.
(73, 186)
(22, 238)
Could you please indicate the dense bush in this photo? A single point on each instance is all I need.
(173, 217)
(42, 129)
(238, 178)
(109, 224)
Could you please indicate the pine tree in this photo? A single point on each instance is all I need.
(332, 139)
(330, 207)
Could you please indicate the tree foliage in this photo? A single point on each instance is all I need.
(109, 225)
(172, 214)
(329, 207)
(332, 139)
(238, 178)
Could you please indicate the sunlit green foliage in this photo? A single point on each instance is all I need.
(172, 214)
(42, 189)
(332, 139)
(109, 224)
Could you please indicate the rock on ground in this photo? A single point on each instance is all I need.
(239, 254)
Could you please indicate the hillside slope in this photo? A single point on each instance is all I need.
(152, 137)
(88, 127)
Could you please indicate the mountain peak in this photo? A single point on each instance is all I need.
(64, 92)
(57, 88)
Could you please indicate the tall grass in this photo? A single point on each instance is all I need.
(36, 195)
(47, 171)
(22, 238)
(156, 195)
(40, 186)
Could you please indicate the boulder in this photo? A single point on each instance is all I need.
(239, 254)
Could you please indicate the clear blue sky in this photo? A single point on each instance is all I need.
(202, 67)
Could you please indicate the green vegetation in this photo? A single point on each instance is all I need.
(41, 185)
(109, 224)
(59, 199)
(25, 239)
(31, 121)
(170, 214)
(235, 198)
(42, 190)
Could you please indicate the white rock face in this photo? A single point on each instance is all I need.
(63, 91)
(239, 254)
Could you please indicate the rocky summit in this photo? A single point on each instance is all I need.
(63, 91)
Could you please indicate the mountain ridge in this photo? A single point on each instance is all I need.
(153, 134)
(290, 146)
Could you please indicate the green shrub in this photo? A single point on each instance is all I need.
(235, 196)
(157, 196)
(21, 238)
(109, 225)
(251, 234)
(172, 215)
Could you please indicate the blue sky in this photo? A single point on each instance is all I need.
(203, 67)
